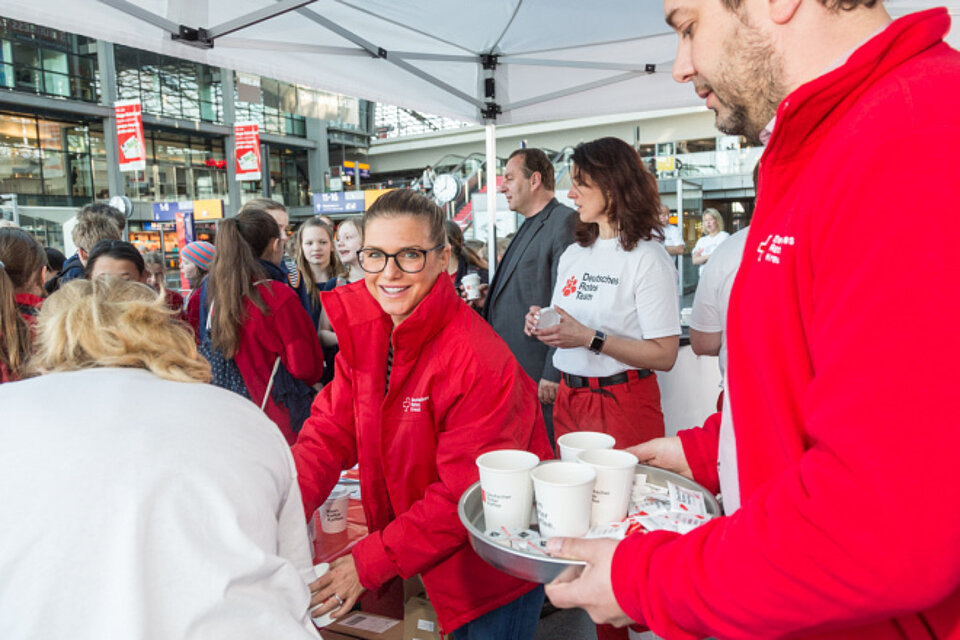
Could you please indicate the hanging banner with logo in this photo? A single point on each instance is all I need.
(247, 136)
(130, 142)
(185, 235)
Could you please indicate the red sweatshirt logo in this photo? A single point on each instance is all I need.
(570, 287)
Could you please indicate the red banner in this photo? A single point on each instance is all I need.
(247, 157)
(130, 142)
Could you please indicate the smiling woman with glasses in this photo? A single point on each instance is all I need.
(422, 387)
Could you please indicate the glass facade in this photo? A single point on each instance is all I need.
(51, 162)
(48, 62)
(169, 86)
(179, 167)
(283, 108)
(393, 122)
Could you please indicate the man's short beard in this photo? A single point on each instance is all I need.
(751, 78)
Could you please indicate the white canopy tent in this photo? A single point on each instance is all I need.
(495, 61)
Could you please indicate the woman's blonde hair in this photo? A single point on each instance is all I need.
(713, 213)
(110, 322)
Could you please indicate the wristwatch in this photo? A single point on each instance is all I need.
(596, 342)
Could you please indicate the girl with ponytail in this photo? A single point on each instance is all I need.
(23, 266)
(255, 324)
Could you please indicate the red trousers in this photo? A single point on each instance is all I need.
(630, 412)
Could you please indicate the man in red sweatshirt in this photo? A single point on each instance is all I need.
(838, 434)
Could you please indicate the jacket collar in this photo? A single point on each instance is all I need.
(801, 115)
(502, 276)
(273, 271)
(353, 313)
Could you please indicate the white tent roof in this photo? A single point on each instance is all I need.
(554, 58)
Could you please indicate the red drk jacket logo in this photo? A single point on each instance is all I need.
(570, 287)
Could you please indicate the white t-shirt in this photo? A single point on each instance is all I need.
(713, 291)
(627, 294)
(137, 507)
(672, 236)
(709, 245)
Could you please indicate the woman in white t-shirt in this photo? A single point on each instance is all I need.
(713, 235)
(616, 294)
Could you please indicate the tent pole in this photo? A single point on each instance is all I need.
(491, 131)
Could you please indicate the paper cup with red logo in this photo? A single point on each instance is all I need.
(611, 493)
(506, 487)
(471, 285)
(564, 492)
(571, 444)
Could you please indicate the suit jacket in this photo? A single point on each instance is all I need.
(526, 277)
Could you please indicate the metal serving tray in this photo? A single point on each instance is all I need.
(535, 568)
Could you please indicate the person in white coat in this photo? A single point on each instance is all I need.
(139, 502)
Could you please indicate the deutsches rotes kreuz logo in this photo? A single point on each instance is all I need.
(588, 285)
(772, 249)
(414, 405)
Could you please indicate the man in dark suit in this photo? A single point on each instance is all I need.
(528, 270)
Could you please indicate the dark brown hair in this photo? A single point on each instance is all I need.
(240, 242)
(631, 200)
(335, 268)
(406, 202)
(536, 160)
(116, 249)
(460, 250)
(23, 260)
(262, 203)
(833, 5)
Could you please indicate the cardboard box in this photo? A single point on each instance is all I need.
(367, 626)
(420, 620)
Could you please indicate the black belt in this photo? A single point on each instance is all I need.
(578, 382)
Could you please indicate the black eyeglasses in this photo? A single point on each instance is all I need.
(409, 260)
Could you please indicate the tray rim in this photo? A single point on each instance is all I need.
(477, 537)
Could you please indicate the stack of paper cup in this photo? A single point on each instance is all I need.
(611, 493)
(506, 487)
(564, 492)
(325, 619)
(571, 444)
(333, 512)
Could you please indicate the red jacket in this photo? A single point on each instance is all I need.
(286, 331)
(841, 394)
(455, 392)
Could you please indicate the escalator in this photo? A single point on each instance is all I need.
(471, 176)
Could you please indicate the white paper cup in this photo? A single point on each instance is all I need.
(333, 512)
(325, 619)
(571, 444)
(506, 487)
(548, 318)
(564, 492)
(611, 493)
(471, 285)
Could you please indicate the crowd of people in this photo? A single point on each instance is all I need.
(295, 356)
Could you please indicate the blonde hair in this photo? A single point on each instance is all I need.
(713, 213)
(111, 322)
(93, 227)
